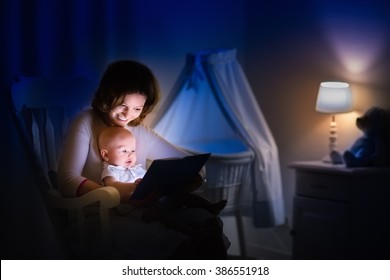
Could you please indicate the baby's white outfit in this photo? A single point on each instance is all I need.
(123, 174)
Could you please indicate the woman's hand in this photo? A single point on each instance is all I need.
(126, 193)
(194, 183)
(147, 200)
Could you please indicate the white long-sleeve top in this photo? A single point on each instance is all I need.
(80, 158)
(123, 174)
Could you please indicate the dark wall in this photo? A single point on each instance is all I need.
(292, 46)
(285, 47)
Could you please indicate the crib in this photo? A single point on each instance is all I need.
(227, 172)
(212, 108)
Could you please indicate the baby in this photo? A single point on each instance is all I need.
(117, 147)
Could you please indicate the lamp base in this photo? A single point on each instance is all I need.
(334, 157)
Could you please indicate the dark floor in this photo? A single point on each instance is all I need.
(263, 244)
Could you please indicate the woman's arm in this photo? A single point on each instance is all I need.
(152, 146)
(79, 161)
(87, 186)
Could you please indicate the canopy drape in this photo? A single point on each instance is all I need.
(212, 102)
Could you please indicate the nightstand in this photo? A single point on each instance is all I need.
(340, 213)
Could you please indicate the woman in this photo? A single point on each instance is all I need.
(127, 93)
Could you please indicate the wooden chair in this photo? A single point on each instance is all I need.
(41, 108)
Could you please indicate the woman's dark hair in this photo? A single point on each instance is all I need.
(123, 77)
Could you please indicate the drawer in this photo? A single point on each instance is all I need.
(320, 229)
(325, 186)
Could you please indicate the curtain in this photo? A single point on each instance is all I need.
(213, 101)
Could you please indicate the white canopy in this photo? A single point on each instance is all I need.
(212, 102)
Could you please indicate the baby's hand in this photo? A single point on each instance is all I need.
(136, 182)
(126, 197)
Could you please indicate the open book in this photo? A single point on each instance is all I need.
(167, 176)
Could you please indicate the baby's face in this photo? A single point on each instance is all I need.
(122, 152)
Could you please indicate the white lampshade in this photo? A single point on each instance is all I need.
(334, 97)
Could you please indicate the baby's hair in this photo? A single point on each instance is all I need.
(110, 133)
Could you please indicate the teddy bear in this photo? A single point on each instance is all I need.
(372, 148)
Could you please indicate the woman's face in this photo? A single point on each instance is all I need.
(129, 110)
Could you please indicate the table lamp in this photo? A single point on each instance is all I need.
(333, 98)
